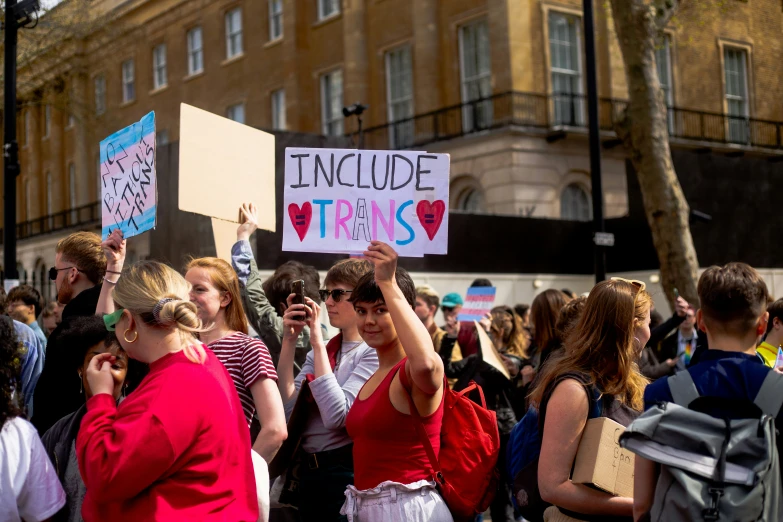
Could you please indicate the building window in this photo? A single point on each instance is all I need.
(575, 203)
(100, 94)
(565, 54)
(275, 19)
(471, 200)
(278, 109)
(128, 81)
(399, 97)
(736, 70)
(476, 76)
(47, 120)
(663, 62)
(327, 8)
(332, 103)
(159, 76)
(195, 51)
(236, 112)
(72, 191)
(161, 137)
(234, 32)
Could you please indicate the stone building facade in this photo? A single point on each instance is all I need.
(498, 84)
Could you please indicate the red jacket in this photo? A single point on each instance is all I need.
(177, 448)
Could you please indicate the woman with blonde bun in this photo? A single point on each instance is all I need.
(178, 448)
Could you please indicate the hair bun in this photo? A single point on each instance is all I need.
(180, 313)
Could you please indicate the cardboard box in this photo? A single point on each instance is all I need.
(601, 461)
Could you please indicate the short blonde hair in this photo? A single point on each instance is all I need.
(143, 285)
(83, 249)
(429, 295)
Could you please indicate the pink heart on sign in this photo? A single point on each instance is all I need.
(431, 216)
(300, 218)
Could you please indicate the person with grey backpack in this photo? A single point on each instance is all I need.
(707, 446)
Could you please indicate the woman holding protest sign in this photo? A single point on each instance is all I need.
(177, 448)
(596, 375)
(391, 468)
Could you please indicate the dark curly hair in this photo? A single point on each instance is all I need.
(10, 371)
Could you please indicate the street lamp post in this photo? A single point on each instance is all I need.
(601, 239)
(16, 15)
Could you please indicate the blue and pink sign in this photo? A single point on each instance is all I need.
(478, 301)
(338, 200)
(129, 189)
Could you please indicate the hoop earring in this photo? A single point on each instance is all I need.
(81, 384)
(125, 335)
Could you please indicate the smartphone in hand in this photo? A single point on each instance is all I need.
(297, 288)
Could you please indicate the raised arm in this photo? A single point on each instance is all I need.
(424, 364)
(114, 249)
(292, 327)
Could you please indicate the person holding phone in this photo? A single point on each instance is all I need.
(334, 374)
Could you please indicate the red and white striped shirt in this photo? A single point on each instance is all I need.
(247, 360)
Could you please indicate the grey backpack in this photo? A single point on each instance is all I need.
(712, 469)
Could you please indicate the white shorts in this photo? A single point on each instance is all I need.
(395, 502)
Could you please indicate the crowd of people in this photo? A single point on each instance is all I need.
(216, 394)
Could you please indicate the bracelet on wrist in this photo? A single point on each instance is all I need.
(107, 280)
(112, 272)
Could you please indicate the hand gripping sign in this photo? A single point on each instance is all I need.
(338, 200)
(129, 192)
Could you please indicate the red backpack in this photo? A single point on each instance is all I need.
(469, 447)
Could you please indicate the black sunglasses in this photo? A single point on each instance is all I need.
(53, 271)
(336, 294)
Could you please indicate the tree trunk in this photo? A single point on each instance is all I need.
(644, 132)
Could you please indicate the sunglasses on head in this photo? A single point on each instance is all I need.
(336, 294)
(639, 285)
(111, 320)
(53, 271)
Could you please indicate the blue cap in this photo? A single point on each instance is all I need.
(452, 300)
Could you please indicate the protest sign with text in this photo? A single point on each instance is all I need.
(338, 200)
(129, 189)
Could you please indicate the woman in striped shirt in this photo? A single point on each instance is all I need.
(215, 292)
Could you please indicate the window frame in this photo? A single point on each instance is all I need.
(27, 125)
(232, 33)
(336, 9)
(193, 53)
(157, 67)
(583, 191)
(483, 109)
(330, 120)
(275, 18)
(234, 106)
(406, 127)
(573, 101)
(278, 110)
(128, 81)
(100, 94)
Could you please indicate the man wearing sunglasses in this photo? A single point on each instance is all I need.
(79, 267)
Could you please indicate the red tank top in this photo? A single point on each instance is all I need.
(385, 443)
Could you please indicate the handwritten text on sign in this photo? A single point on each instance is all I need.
(129, 194)
(338, 200)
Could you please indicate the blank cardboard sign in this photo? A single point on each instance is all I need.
(222, 164)
(225, 234)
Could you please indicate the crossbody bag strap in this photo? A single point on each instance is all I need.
(425, 440)
(682, 388)
(769, 398)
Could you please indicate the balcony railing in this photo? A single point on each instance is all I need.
(89, 214)
(563, 111)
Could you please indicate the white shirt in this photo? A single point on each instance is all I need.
(29, 487)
